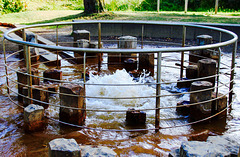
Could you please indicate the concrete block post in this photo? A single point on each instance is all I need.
(135, 117)
(81, 43)
(40, 95)
(146, 61)
(52, 74)
(219, 104)
(127, 42)
(130, 64)
(22, 78)
(73, 116)
(62, 147)
(33, 118)
(201, 40)
(80, 34)
(207, 67)
(192, 72)
(202, 110)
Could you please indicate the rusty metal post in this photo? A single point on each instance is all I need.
(99, 46)
(158, 92)
(182, 54)
(5, 61)
(216, 6)
(232, 72)
(142, 36)
(57, 45)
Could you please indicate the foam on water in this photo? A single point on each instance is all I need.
(130, 88)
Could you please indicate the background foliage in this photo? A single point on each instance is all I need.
(12, 6)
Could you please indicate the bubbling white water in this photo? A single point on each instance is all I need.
(128, 88)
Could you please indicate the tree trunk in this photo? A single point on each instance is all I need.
(93, 6)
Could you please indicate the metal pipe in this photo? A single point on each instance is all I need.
(182, 54)
(186, 6)
(57, 45)
(99, 47)
(29, 78)
(84, 68)
(5, 60)
(156, 50)
(158, 92)
(232, 72)
(142, 36)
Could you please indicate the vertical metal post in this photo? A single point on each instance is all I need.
(216, 6)
(215, 108)
(27, 58)
(182, 54)
(142, 36)
(99, 46)
(5, 60)
(158, 5)
(29, 78)
(84, 68)
(220, 37)
(186, 6)
(57, 45)
(158, 91)
(232, 72)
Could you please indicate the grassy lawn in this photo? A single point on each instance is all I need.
(34, 17)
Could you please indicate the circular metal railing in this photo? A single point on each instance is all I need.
(182, 49)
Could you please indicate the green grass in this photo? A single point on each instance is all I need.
(36, 17)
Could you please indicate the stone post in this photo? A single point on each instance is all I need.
(62, 147)
(81, 43)
(80, 34)
(207, 67)
(73, 116)
(146, 61)
(201, 40)
(135, 117)
(202, 110)
(22, 78)
(33, 117)
(219, 104)
(52, 74)
(130, 64)
(192, 72)
(40, 95)
(37, 94)
(127, 42)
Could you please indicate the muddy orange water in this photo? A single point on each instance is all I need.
(15, 142)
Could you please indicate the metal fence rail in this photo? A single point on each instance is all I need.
(182, 49)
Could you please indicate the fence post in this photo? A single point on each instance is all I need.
(216, 6)
(186, 6)
(182, 54)
(57, 45)
(158, 5)
(5, 61)
(99, 46)
(232, 72)
(158, 92)
(27, 57)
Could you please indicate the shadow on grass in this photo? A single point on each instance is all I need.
(82, 16)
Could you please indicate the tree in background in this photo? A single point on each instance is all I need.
(93, 6)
